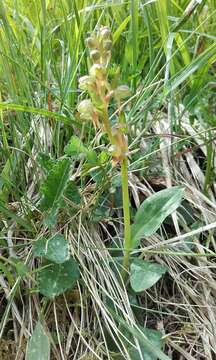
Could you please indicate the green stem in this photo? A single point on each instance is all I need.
(108, 128)
(126, 210)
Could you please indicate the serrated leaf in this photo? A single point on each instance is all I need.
(92, 158)
(38, 347)
(55, 249)
(72, 192)
(57, 278)
(55, 184)
(45, 161)
(144, 274)
(153, 211)
(75, 147)
(53, 188)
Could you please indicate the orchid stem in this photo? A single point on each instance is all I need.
(126, 211)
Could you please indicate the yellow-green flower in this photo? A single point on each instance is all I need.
(86, 82)
(86, 109)
(98, 71)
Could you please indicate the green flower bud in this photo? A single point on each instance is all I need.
(85, 82)
(122, 92)
(105, 32)
(86, 109)
(97, 71)
(95, 55)
(107, 44)
(91, 43)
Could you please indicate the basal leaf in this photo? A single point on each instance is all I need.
(45, 161)
(72, 192)
(55, 249)
(143, 353)
(57, 278)
(144, 274)
(54, 186)
(148, 340)
(38, 347)
(153, 211)
(55, 183)
(154, 337)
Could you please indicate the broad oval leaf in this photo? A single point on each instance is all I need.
(144, 274)
(55, 249)
(153, 211)
(38, 347)
(57, 278)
